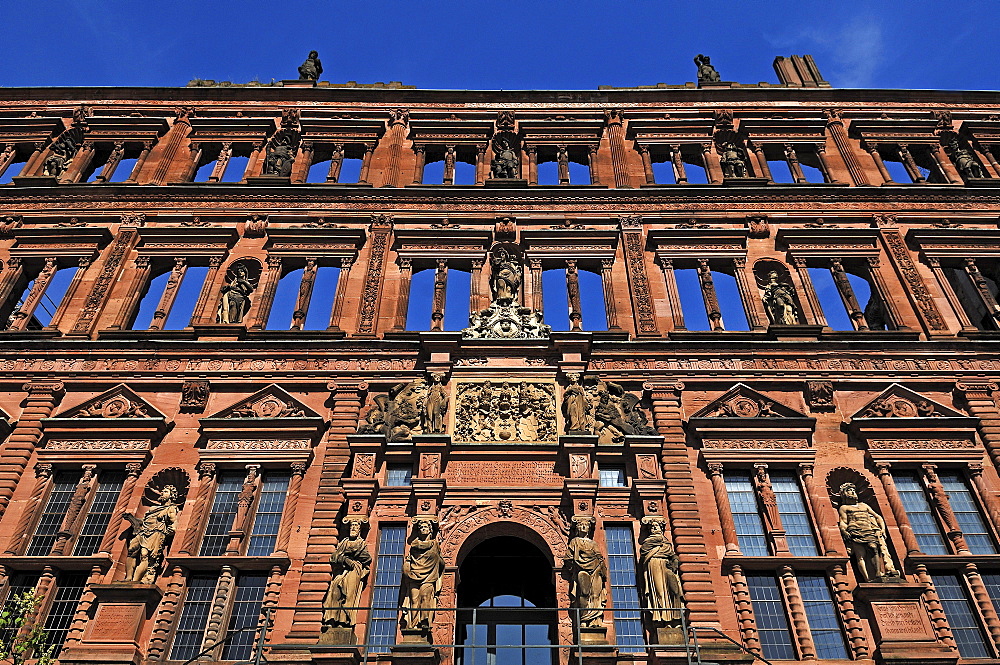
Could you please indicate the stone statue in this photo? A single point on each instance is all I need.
(660, 567)
(399, 414)
(575, 406)
(281, 153)
(875, 314)
(148, 541)
(706, 71)
(435, 406)
(505, 280)
(506, 161)
(311, 69)
(351, 563)
(61, 153)
(635, 417)
(421, 580)
(733, 160)
(235, 301)
(779, 301)
(864, 534)
(505, 318)
(588, 573)
(964, 162)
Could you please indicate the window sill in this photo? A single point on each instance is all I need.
(238, 562)
(800, 563)
(953, 560)
(66, 562)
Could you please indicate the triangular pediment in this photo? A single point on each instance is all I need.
(898, 401)
(119, 403)
(271, 403)
(742, 401)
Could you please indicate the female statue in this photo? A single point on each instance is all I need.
(311, 68)
(588, 573)
(422, 571)
(235, 301)
(660, 566)
(351, 563)
(780, 301)
(435, 406)
(506, 279)
(149, 537)
(575, 406)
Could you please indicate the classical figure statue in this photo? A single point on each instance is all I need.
(506, 278)
(575, 406)
(149, 537)
(311, 68)
(864, 534)
(506, 161)
(964, 162)
(706, 71)
(422, 570)
(609, 415)
(779, 300)
(280, 154)
(351, 563)
(435, 406)
(588, 573)
(235, 301)
(61, 154)
(660, 567)
(733, 160)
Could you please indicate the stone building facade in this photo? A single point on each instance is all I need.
(234, 415)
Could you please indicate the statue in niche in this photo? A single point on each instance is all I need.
(150, 535)
(864, 534)
(660, 567)
(505, 280)
(588, 573)
(964, 161)
(505, 318)
(351, 563)
(506, 162)
(733, 160)
(281, 153)
(235, 301)
(311, 69)
(421, 580)
(576, 406)
(435, 406)
(706, 70)
(62, 152)
(779, 301)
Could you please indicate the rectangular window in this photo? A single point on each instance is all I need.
(385, 590)
(743, 504)
(194, 617)
(17, 584)
(918, 510)
(769, 614)
(794, 516)
(624, 594)
(69, 589)
(220, 519)
(244, 617)
(613, 476)
(961, 616)
(970, 520)
(398, 475)
(821, 612)
(267, 521)
(109, 486)
(54, 513)
(992, 583)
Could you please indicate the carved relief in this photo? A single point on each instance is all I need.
(194, 395)
(364, 465)
(118, 403)
(898, 401)
(509, 411)
(505, 318)
(819, 394)
(399, 414)
(271, 402)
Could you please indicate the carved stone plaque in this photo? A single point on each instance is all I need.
(116, 622)
(902, 620)
(505, 412)
(501, 472)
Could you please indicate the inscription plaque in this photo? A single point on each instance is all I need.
(902, 621)
(501, 472)
(117, 622)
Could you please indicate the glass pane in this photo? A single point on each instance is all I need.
(918, 510)
(194, 617)
(244, 617)
(970, 520)
(821, 613)
(769, 614)
(220, 519)
(267, 520)
(613, 476)
(54, 512)
(69, 589)
(743, 504)
(961, 616)
(794, 516)
(101, 508)
(624, 593)
(385, 589)
(398, 475)
(17, 584)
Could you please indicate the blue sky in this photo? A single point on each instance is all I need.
(510, 44)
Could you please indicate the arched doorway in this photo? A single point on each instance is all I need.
(511, 585)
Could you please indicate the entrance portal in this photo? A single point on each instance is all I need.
(512, 588)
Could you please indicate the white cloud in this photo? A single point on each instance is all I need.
(849, 54)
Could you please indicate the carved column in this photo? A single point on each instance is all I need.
(889, 303)
(753, 308)
(217, 613)
(835, 123)
(607, 282)
(11, 276)
(440, 289)
(978, 397)
(140, 281)
(814, 312)
(291, 503)
(938, 619)
(305, 294)
(982, 288)
(340, 295)
(475, 290)
(673, 296)
(20, 445)
(535, 266)
(983, 601)
(635, 264)
(252, 169)
(70, 524)
(268, 287)
(366, 163)
(302, 164)
(573, 295)
(165, 615)
(208, 290)
(171, 143)
(847, 294)
(199, 511)
(418, 169)
(829, 531)
(139, 162)
(949, 293)
(244, 516)
(793, 163)
(79, 163)
(711, 173)
(57, 318)
(222, 162)
(939, 163)
(43, 476)
(449, 165)
(765, 168)
(195, 153)
(722, 504)
(848, 612)
(984, 149)
(744, 610)
(879, 164)
(896, 505)
(371, 293)
(988, 497)
(939, 498)
(797, 613)
(394, 137)
(111, 534)
(824, 167)
(29, 167)
(336, 163)
(532, 153)
(616, 141)
(7, 156)
(20, 318)
(647, 163)
(110, 272)
(562, 164)
(114, 159)
(169, 294)
(709, 296)
(677, 160)
(403, 299)
(911, 164)
(482, 166)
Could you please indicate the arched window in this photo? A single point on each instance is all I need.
(287, 296)
(696, 286)
(171, 310)
(34, 313)
(420, 308)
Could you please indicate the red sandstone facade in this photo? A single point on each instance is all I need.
(756, 431)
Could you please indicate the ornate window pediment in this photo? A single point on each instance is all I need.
(742, 401)
(898, 401)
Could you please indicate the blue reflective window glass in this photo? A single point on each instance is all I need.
(613, 476)
(220, 519)
(190, 631)
(970, 520)
(918, 511)
(624, 593)
(109, 486)
(69, 590)
(398, 475)
(961, 616)
(54, 512)
(385, 588)
(267, 519)
(769, 615)
(821, 612)
(746, 516)
(244, 617)
(794, 516)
